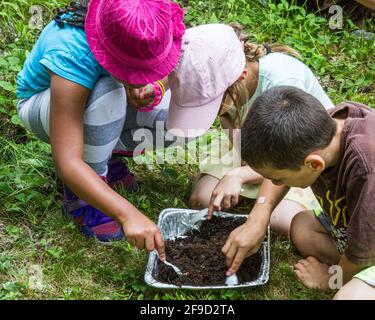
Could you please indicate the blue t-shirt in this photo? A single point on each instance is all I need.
(64, 51)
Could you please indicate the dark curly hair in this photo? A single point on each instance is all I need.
(73, 14)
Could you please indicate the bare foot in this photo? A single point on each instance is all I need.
(312, 273)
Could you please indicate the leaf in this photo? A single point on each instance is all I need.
(55, 252)
(6, 265)
(16, 120)
(7, 86)
(13, 230)
(43, 242)
(213, 18)
(21, 197)
(13, 208)
(14, 61)
(16, 68)
(5, 187)
(139, 286)
(10, 287)
(3, 62)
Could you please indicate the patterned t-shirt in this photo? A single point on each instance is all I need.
(346, 192)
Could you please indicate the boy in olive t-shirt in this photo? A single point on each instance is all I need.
(333, 152)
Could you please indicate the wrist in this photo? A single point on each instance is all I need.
(247, 175)
(261, 214)
(165, 82)
(258, 228)
(236, 174)
(128, 212)
(159, 91)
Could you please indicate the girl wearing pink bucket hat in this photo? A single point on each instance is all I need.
(67, 97)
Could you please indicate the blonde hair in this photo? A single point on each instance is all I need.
(237, 92)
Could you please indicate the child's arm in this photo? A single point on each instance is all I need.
(142, 97)
(228, 189)
(247, 239)
(66, 124)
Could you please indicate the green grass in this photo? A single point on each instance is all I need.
(35, 235)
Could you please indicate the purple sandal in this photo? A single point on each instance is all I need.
(119, 174)
(91, 221)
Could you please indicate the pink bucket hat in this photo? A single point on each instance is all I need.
(213, 59)
(137, 41)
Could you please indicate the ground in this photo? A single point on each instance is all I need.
(37, 239)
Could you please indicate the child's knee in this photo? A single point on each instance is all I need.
(299, 227)
(202, 191)
(199, 201)
(105, 112)
(106, 101)
(283, 215)
(343, 294)
(103, 122)
(355, 289)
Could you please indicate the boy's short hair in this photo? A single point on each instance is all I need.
(283, 126)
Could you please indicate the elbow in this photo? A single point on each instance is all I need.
(65, 166)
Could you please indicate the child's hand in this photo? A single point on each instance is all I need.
(242, 242)
(140, 97)
(226, 193)
(142, 233)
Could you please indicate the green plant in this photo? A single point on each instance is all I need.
(33, 229)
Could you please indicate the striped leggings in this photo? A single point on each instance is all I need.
(109, 122)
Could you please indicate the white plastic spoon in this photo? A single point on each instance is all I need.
(232, 280)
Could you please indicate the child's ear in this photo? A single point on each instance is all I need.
(315, 162)
(244, 74)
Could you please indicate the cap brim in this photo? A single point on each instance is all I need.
(192, 122)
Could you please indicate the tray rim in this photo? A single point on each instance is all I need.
(261, 280)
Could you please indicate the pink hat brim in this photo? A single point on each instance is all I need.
(115, 66)
(192, 122)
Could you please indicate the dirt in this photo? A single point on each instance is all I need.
(200, 259)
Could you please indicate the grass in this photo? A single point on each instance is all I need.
(34, 235)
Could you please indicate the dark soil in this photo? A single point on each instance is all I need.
(200, 259)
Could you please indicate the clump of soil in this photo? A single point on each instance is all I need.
(200, 259)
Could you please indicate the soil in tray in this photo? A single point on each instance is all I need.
(200, 259)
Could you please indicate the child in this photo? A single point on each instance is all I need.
(68, 98)
(334, 153)
(266, 66)
(106, 106)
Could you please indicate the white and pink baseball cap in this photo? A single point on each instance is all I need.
(212, 60)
